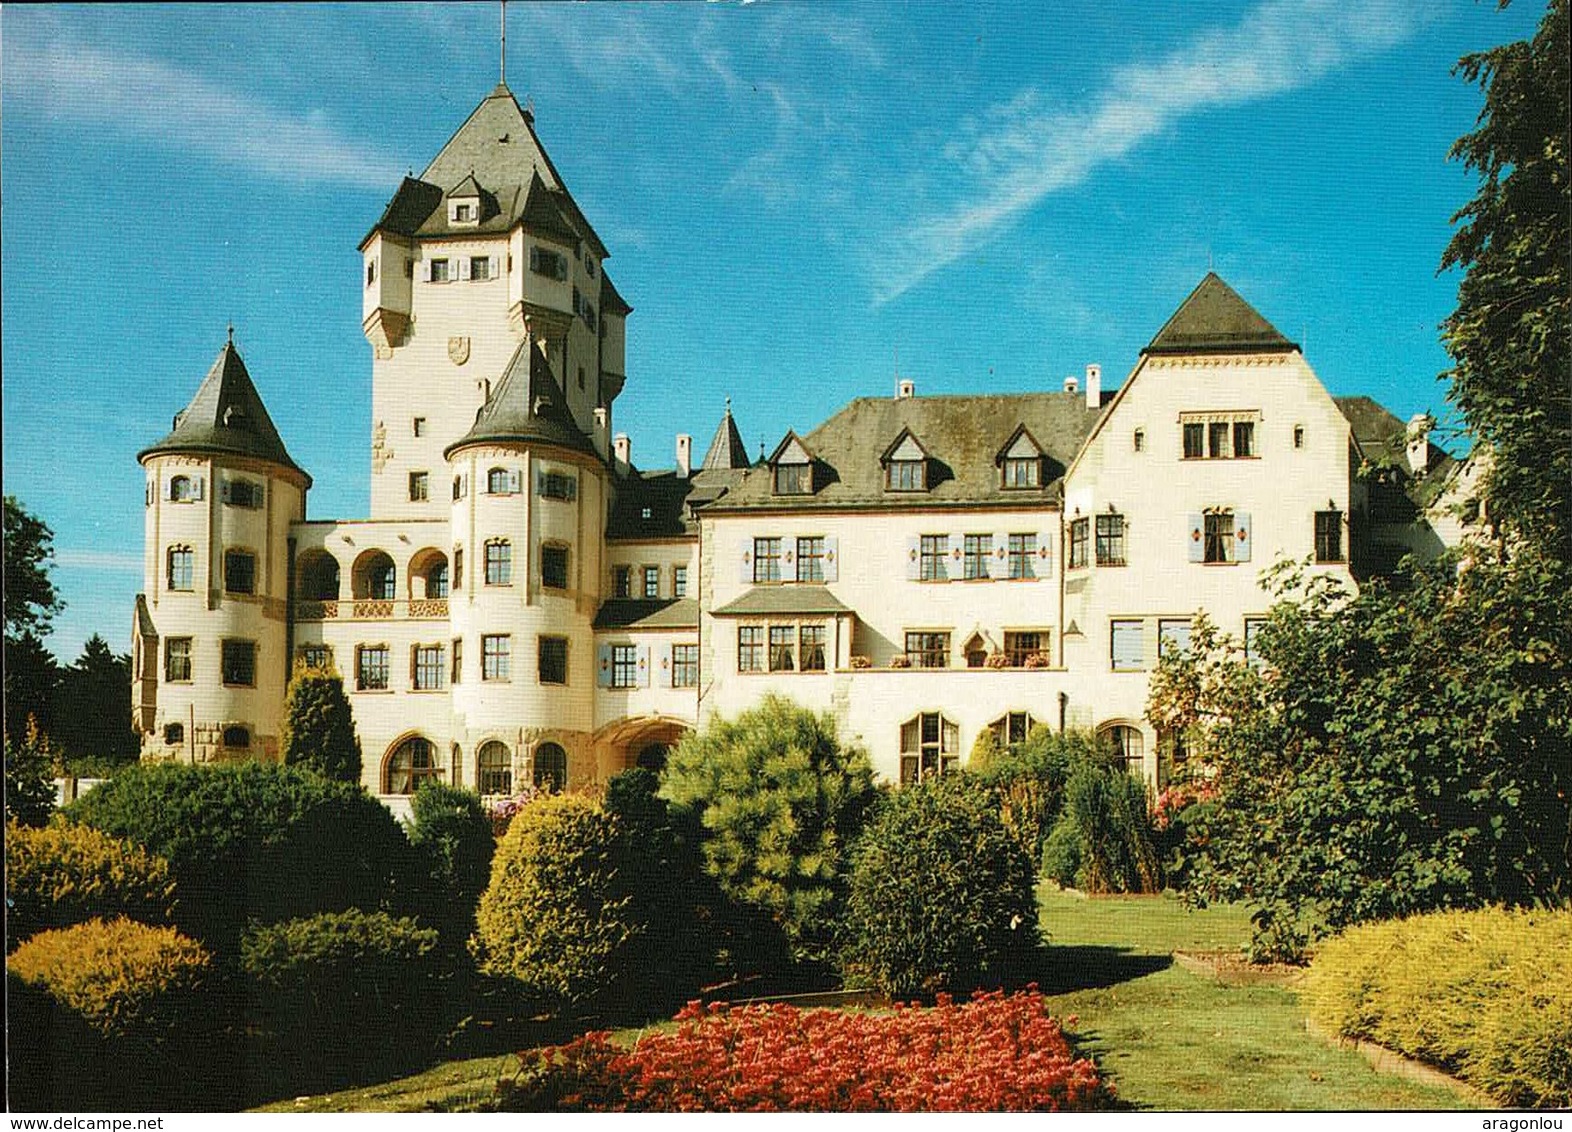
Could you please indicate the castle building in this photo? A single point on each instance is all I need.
(526, 605)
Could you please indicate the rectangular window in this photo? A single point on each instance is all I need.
(622, 581)
(243, 493)
(177, 660)
(1217, 440)
(783, 639)
(463, 213)
(1173, 637)
(1128, 645)
(1252, 641)
(1299, 436)
(371, 668)
(1080, 530)
(480, 267)
(429, 667)
(1018, 647)
(1022, 549)
(1244, 439)
(766, 560)
(624, 666)
(793, 479)
(1219, 536)
(1328, 536)
(496, 657)
(182, 568)
(499, 564)
(553, 660)
(652, 581)
(928, 650)
(976, 550)
(419, 487)
(1022, 472)
(371, 272)
(1194, 439)
(810, 559)
(458, 660)
(240, 663)
(439, 271)
(240, 572)
(557, 485)
(906, 475)
(679, 581)
(810, 649)
(458, 567)
(933, 550)
(316, 656)
(544, 261)
(930, 745)
(750, 648)
(1110, 540)
(420, 430)
(684, 666)
(554, 567)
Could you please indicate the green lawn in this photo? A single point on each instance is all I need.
(1167, 1038)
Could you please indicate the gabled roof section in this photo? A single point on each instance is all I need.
(226, 417)
(1022, 445)
(1215, 320)
(905, 446)
(727, 449)
(647, 613)
(407, 211)
(1383, 441)
(468, 187)
(611, 300)
(791, 450)
(526, 407)
(782, 600)
(542, 217)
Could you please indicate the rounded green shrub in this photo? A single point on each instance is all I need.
(58, 875)
(255, 842)
(1486, 995)
(556, 915)
(1029, 780)
(1062, 853)
(453, 843)
(341, 996)
(941, 896)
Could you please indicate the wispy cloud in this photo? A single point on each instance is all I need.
(120, 562)
(151, 99)
(1026, 148)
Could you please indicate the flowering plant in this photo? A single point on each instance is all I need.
(997, 1053)
(1038, 660)
(861, 662)
(997, 660)
(900, 660)
(502, 811)
(1178, 797)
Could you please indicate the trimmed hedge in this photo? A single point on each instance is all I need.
(453, 843)
(256, 842)
(341, 996)
(941, 897)
(60, 875)
(1486, 995)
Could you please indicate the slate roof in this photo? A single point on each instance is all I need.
(1215, 320)
(1383, 439)
(144, 620)
(526, 407)
(648, 613)
(670, 500)
(962, 435)
(226, 417)
(727, 449)
(766, 601)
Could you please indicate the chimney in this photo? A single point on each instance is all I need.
(1094, 386)
(1419, 426)
(684, 455)
(624, 451)
(905, 389)
(1072, 384)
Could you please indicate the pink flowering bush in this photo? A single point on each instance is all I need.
(503, 810)
(996, 1053)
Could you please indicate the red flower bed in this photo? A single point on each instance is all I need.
(996, 1053)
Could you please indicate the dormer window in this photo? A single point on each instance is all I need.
(1020, 462)
(464, 212)
(905, 464)
(792, 466)
(1023, 472)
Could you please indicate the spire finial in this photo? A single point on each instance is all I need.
(728, 406)
(504, 42)
(231, 334)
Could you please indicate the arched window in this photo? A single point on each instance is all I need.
(428, 574)
(180, 489)
(182, 568)
(930, 745)
(976, 651)
(551, 767)
(316, 574)
(375, 577)
(412, 762)
(237, 738)
(1012, 727)
(1129, 745)
(495, 774)
(437, 580)
(454, 775)
(497, 481)
(653, 757)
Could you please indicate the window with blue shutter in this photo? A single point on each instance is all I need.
(1128, 644)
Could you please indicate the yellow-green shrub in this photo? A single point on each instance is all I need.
(60, 875)
(118, 975)
(1486, 995)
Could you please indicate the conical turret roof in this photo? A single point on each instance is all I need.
(526, 407)
(1215, 320)
(226, 417)
(727, 449)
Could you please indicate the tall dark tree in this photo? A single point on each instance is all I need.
(1510, 333)
(92, 716)
(30, 605)
(319, 725)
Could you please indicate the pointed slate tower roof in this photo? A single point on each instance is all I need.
(526, 407)
(727, 449)
(1215, 320)
(226, 417)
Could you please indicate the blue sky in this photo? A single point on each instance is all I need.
(794, 195)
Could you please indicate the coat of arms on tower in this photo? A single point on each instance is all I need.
(458, 350)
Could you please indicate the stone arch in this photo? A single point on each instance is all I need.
(375, 577)
(410, 760)
(428, 574)
(551, 767)
(632, 742)
(316, 575)
(1128, 742)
